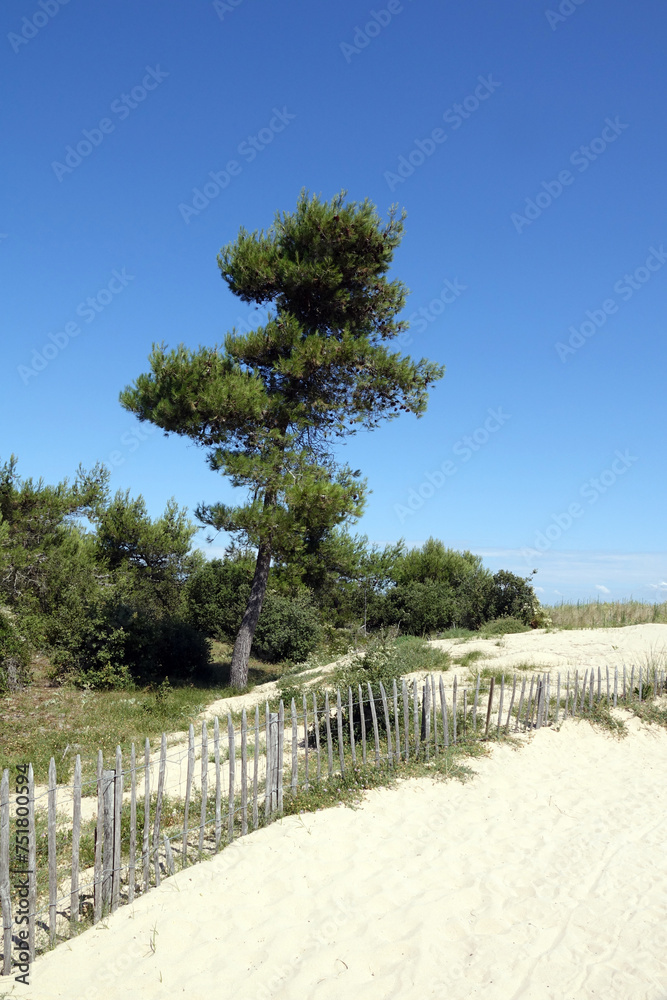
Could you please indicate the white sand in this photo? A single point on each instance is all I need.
(544, 876)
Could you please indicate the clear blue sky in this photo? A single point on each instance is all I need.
(531, 143)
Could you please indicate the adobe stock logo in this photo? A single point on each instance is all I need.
(463, 449)
(591, 491)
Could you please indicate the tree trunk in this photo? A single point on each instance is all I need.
(241, 654)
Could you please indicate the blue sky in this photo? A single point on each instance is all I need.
(526, 143)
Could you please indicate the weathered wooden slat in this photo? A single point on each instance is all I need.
(557, 711)
(53, 864)
(509, 710)
(529, 705)
(244, 773)
(615, 686)
(567, 697)
(632, 682)
(538, 694)
(231, 799)
(397, 727)
(305, 742)
(145, 848)
(188, 792)
(117, 812)
(376, 734)
(500, 706)
(539, 702)
(387, 722)
(168, 855)
(454, 708)
(488, 710)
(625, 689)
(294, 783)
(327, 722)
(406, 719)
(158, 807)
(599, 683)
(317, 739)
(465, 713)
(270, 764)
(76, 839)
(474, 707)
(434, 705)
(351, 721)
(5, 892)
(218, 783)
(518, 711)
(575, 699)
(32, 865)
(362, 719)
(443, 709)
(132, 869)
(255, 773)
(204, 786)
(281, 753)
(591, 692)
(583, 692)
(415, 714)
(608, 686)
(339, 728)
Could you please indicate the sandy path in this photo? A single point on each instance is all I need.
(545, 876)
(568, 649)
(550, 651)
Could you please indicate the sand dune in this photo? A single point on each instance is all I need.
(545, 875)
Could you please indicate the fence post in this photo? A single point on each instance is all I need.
(108, 781)
(5, 898)
(272, 762)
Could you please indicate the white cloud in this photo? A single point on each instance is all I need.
(602, 588)
(658, 586)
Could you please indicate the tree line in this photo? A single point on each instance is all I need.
(117, 596)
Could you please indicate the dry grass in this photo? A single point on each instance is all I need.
(607, 614)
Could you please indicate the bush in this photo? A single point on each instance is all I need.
(109, 643)
(416, 608)
(15, 652)
(289, 628)
(504, 626)
(512, 596)
(217, 595)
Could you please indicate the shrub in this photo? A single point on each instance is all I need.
(512, 596)
(289, 628)
(504, 626)
(416, 608)
(217, 595)
(109, 643)
(15, 652)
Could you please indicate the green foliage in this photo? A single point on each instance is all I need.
(15, 652)
(289, 628)
(36, 527)
(217, 594)
(416, 607)
(267, 405)
(108, 643)
(513, 597)
(504, 626)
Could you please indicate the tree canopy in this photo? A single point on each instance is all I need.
(268, 405)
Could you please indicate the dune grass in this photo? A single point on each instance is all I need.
(606, 614)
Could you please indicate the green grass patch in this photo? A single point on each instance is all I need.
(44, 720)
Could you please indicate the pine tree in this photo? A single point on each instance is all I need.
(269, 404)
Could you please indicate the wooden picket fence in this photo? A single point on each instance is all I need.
(243, 786)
